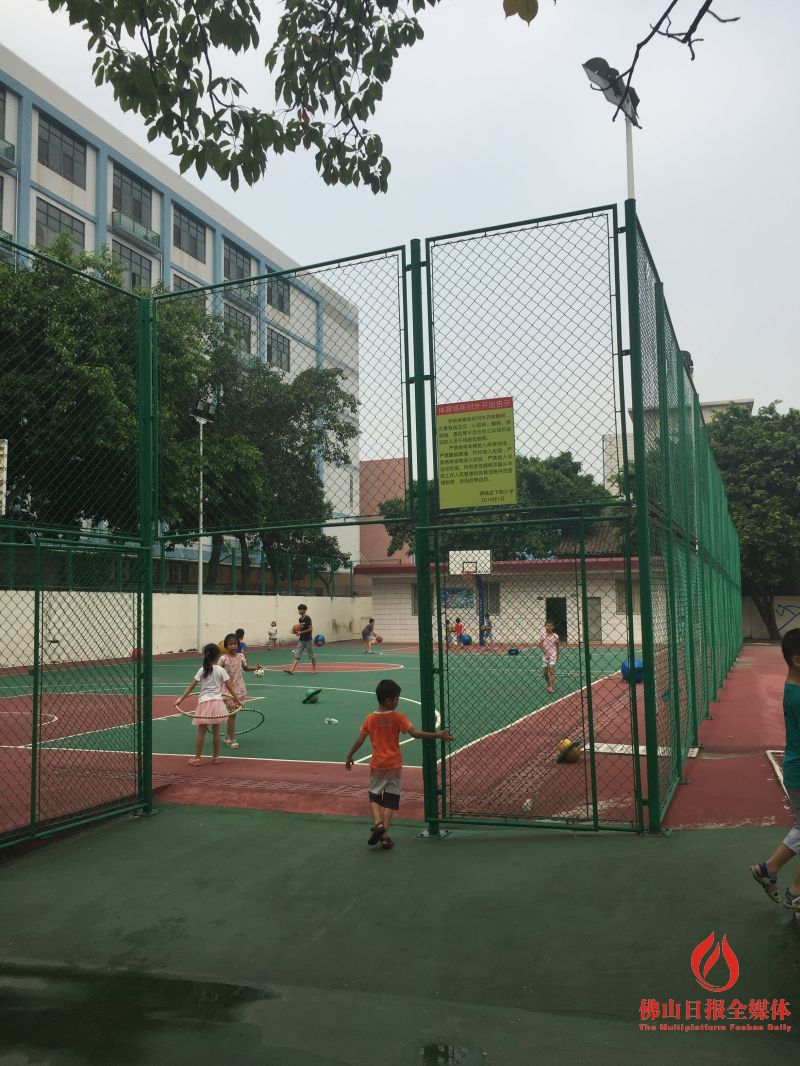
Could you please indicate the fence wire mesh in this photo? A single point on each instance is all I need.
(292, 387)
(68, 357)
(692, 562)
(71, 687)
(510, 711)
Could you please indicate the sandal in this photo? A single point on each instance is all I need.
(376, 833)
(195, 762)
(232, 743)
(790, 902)
(387, 843)
(769, 884)
(216, 759)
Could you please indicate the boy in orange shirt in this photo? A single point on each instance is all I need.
(383, 727)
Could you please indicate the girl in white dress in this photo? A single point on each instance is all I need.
(210, 710)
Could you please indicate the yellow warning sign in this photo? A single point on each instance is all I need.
(475, 453)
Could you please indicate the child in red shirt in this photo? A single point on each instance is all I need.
(383, 727)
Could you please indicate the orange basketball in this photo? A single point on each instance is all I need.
(379, 640)
(296, 629)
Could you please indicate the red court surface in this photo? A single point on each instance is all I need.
(732, 782)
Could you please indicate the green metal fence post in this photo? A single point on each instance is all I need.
(422, 548)
(653, 800)
(669, 532)
(688, 551)
(587, 656)
(36, 694)
(147, 372)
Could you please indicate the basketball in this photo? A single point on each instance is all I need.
(296, 629)
(379, 640)
(568, 750)
(319, 640)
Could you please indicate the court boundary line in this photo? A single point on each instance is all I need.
(771, 753)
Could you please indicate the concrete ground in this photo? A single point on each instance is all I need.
(206, 935)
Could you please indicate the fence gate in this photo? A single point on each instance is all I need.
(506, 763)
(72, 692)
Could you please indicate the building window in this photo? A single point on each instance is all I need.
(236, 262)
(621, 596)
(239, 326)
(132, 197)
(51, 222)
(62, 151)
(180, 284)
(137, 269)
(2, 112)
(278, 294)
(188, 234)
(278, 350)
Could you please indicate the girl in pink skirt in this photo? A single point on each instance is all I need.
(211, 710)
(234, 663)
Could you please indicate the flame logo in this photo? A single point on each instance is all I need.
(706, 955)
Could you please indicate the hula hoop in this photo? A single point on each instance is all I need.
(237, 732)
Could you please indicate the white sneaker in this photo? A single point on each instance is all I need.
(227, 740)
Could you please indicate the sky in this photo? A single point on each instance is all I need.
(488, 121)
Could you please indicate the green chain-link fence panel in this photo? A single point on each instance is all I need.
(72, 570)
(71, 688)
(689, 551)
(508, 714)
(529, 312)
(294, 387)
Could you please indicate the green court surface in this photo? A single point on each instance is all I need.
(484, 691)
(205, 936)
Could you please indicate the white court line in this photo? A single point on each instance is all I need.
(771, 755)
(627, 749)
(530, 714)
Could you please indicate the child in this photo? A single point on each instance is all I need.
(458, 631)
(551, 647)
(368, 635)
(305, 642)
(272, 635)
(211, 710)
(242, 647)
(766, 873)
(486, 629)
(383, 727)
(235, 663)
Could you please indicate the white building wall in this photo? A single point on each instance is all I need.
(174, 622)
(521, 617)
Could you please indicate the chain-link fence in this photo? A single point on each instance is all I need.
(528, 653)
(688, 548)
(532, 601)
(73, 612)
(71, 687)
(233, 439)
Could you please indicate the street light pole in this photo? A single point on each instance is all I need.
(629, 155)
(204, 412)
(201, 422)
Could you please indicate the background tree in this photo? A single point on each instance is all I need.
(759, 459)
(557, 481)
(68, 358)
(331, 58)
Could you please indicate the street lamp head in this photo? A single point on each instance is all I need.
(205, 411)
(612, 85)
